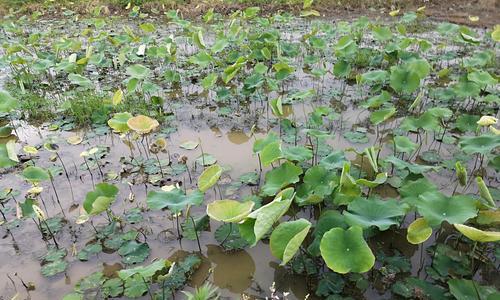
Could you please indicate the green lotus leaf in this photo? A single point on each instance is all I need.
(348, 189)
(112, 288)
(230, 211)
(419, 66)
(146, 272)
(286, 239)
(135, 286)
(297, 153)
(404, 80)
(482, 78)
(366, 212)
(342, 69)
(345, 46)
(8, 155)
(346, 251)
(482, 144)
(7, 102)
(209, 81)
(436, 208)
(142, 124)
(259, 222)
(381, 178)
(382, 115)
(209, 177)
(463, 289)
(404, 144)
(281, 177)
(79, 80)
(418, 231)
(411, 190)
(54, 268)
(466, 88)
(478, 235)
(466, 122)
(373, 77)
(270, 153)
(119, 122)
(356, 137)
(138, 71)
(382, 33)
(317, 183)
(175, 200)
(35, 174)
(426, 121)
(413, 168)
(100, 199)
(327, 220)
(133, 252)
(334, 160)
(377, 101)
(276, 105)
(202, 59)
(229, 237)
(260, 144)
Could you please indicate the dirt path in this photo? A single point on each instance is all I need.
(456, 11)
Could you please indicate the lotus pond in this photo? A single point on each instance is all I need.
(248, 156)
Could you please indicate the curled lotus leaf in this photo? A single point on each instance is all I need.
(230, 211)
(142, 124)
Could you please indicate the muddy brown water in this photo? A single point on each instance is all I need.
(251, 271)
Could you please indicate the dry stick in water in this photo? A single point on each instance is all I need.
(67, 176)
(55, 193)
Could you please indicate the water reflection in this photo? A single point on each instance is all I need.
(233, 270)
(237, 137)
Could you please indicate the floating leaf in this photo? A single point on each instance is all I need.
(189, 145)
(35, 174)
(206, 159)
(230, 238)
(74, 140)
(133, 252)
(53, 268)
